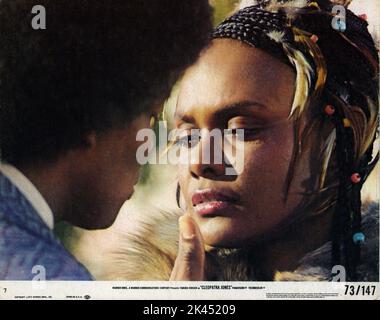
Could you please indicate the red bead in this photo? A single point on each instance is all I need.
(329, 109)
(355, 178)
(363, 16)
(314, 38)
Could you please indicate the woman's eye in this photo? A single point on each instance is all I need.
(243, 133)
(188, 141)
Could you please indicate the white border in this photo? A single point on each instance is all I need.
(158, 290)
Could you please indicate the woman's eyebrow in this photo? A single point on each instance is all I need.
(241, 104)
(227, 108)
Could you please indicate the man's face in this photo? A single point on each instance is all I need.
(104, 175)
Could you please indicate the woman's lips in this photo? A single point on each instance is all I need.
(211, 202)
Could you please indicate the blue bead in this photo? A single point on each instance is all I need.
(358, 238)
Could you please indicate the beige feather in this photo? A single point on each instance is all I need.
(327, 152)
(304, 73)
(371, 128)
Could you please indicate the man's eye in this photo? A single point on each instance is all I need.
(188, 141)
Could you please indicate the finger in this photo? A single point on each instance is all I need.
(189, 265)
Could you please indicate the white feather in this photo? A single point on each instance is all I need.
(277, 36)
(247, 3)
(274, 5)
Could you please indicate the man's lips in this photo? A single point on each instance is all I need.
(211, 202)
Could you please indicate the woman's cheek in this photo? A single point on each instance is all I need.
(266, 163)
(184, 180)
(257, 154)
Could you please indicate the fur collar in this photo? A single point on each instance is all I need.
(149, 254)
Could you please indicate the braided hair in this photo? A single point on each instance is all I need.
(337, 76)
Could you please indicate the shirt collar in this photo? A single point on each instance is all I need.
(30, 192)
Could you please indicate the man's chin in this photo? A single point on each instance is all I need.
(106, 220)
(93, 225)
(97, 221)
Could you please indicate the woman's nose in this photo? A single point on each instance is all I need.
(207, 157)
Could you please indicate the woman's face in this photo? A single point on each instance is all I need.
(234, 86)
